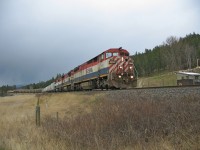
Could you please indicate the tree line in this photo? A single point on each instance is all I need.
(42, 84)
(5, 88)
(39, 85)
(174, 54)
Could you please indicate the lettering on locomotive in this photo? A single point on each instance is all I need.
(89, 70)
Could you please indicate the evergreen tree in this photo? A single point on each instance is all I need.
(174, 54)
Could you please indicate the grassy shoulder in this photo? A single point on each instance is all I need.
(162, 79)
(17, 117)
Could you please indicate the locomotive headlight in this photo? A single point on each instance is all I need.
(131, 67)
(120, 67)
(131, 77)
(120, 76)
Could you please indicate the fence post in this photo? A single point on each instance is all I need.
(57, 116)
(37, 110)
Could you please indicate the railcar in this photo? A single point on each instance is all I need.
(113, 68)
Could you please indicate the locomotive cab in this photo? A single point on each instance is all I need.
(120, 69)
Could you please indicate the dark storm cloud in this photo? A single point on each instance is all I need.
(40, 38)
(32, 50)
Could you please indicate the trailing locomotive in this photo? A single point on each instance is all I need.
(111, 69)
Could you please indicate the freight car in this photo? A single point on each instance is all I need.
(112, 68)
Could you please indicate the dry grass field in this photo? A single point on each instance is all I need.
(17, 118)
(96, 121)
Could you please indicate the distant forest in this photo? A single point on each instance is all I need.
(174, 54)
(39, 85)
(5, 88)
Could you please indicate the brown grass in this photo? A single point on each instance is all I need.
(137, 124)
(17, 118)
(97, 122)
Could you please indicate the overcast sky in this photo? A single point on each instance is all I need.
(40, 38)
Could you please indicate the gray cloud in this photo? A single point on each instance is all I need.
(40, 38)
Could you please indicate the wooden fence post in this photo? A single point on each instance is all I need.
(57, 116)
(37, 115)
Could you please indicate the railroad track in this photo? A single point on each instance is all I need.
(155, 91)
(170, 92)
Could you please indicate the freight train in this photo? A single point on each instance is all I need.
(112, 69)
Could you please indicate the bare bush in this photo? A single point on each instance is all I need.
(131, 123)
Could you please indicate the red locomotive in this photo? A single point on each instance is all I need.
(111, 69)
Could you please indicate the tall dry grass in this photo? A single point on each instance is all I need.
(97, 122)
(17, 118)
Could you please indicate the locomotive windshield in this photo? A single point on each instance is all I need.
(111, 54)
(108, 55)
(115, 54)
